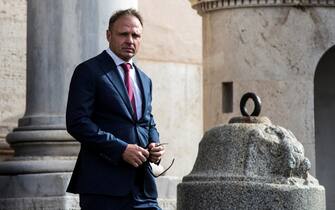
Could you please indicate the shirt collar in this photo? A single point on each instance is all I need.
(118, 61)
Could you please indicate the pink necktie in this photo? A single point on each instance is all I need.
(130, 89)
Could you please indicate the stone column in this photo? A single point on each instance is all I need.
(60, 35)
(270, 47)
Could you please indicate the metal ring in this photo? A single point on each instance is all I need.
(257, 103)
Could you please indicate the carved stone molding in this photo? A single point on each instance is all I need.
(203, 6)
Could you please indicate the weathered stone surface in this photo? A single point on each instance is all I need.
(211, 5)
(248, 195)
(69, 202)
(36, 191)
(250, 166)
(39, 191)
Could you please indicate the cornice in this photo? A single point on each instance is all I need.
(203, 6)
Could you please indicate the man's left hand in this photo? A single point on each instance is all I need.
(156, 152)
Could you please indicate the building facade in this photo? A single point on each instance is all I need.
(200, 64)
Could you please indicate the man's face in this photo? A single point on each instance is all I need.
(124, 37)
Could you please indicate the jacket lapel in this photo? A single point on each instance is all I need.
(113, 75)
(145, 88)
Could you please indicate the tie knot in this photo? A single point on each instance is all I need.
(126, 66)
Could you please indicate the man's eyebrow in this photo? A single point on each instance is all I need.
(127, 33)
(123, 32)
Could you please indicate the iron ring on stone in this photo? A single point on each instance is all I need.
(257, 103)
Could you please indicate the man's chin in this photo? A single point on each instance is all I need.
(127, 56)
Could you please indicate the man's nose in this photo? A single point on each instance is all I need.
(130, 39)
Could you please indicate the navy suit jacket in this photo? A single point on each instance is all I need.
(99, 116)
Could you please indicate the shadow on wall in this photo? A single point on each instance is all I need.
(324, 110)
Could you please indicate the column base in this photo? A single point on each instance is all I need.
(47, 191)
(37, 191)
(40, 151)
(46, 203)
(35, 165)
(42, 143)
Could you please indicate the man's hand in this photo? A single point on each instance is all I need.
(156, 151)
(135, 155)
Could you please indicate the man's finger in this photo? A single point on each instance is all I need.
(158, 153)
(142, 157)
(134, 164)
(156, 149)
(144, 152)
(154, 159)
(151, 145)
(138, 162)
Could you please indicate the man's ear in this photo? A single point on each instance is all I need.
(108, 34)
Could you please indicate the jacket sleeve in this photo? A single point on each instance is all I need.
(79, 110)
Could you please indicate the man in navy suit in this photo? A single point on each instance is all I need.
(109, 113)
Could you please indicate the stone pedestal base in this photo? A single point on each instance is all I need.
(69, 202)
(46, 191)
(249, 195)
(36, 191)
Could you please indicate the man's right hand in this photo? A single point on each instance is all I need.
(135, 155)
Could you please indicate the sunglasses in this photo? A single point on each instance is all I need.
(165, 170)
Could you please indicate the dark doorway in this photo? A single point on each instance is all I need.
(324, 109)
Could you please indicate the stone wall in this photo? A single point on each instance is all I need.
(13, 19)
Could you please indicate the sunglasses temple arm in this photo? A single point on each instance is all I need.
(163, 171)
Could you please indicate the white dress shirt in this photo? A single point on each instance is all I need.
(134, 80)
